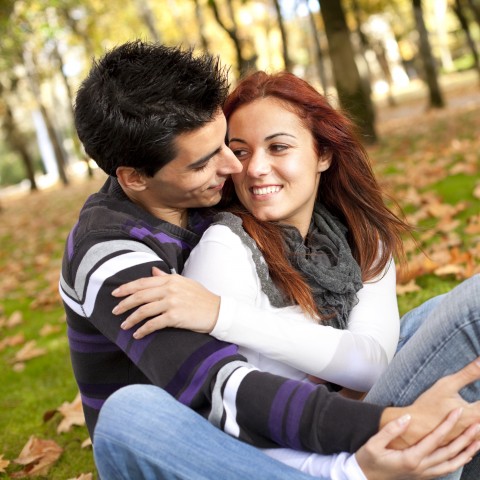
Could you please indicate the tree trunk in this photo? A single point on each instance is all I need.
(436, 97)
(283, 32)
(476, 10)
(320, 61)
(244, 65)
(351, 92)
(148, 18)
(458, 9)
(18, 143)
(201, 26)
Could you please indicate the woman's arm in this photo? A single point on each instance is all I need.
(353, 358)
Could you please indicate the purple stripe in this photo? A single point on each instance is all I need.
(123, 338)
(99, 389)
(76, 336)
(184, 372)
(70, 241)
(143, 232)
(95, 403)
(84, 347)
(138, 347)
(295, 411)
(279, 410)
(189, 393)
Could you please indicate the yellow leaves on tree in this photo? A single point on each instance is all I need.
(37, 457)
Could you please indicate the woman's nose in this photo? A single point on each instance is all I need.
(258, 165)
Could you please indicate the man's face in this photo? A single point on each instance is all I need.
(195, 178)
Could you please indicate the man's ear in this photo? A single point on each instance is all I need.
(324, 161)
(131, 179)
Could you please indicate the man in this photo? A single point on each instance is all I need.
(150, 116)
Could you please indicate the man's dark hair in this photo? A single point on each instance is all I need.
(139, 97)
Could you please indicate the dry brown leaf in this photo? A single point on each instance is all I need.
(476, 191)
(15, 319)
(411, 286)
(48, 329)
(12, 341)
(18, 367)
(450, 269)
(86, 443)
(3, 464)
(83, 476)
(72, 413)
(29, 351)
(37, 456)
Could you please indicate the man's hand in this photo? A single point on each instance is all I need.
(432, 407)
(427, 459)
(168, 300)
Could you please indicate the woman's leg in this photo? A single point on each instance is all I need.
(144, 433)
(448, 339)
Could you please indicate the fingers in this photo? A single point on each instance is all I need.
(156, 272)
(146, 310)
(141, 284)
(156, 323)
(389, 432)
(465, 376)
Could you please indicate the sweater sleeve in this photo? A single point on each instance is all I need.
(223, 264)
(200, 371)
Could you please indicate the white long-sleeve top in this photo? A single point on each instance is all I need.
(286, 342)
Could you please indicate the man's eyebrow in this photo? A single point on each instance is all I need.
(201, 161)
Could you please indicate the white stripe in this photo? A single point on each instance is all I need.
(106, 270)
(229, 400)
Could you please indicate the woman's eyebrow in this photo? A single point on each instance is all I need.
(234, 139)
(278, 135)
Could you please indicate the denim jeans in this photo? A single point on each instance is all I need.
(436, 339)
(143, 433)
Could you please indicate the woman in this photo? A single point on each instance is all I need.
(300, 159)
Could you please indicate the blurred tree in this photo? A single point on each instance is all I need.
(201, 26)
(148, 18)
(428, 61)
(284, 34)
(319, 57)
(353, 95)
(16, 139)
(458, 8)
(245, 64)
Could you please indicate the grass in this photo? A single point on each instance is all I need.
(33, 229)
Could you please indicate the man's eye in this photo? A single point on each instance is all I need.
(201, 167)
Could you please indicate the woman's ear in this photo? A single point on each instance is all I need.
(325, 160)
(130, 179)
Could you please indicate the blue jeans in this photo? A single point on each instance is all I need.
(143, 433)
(436, 339)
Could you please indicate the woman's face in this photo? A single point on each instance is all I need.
(281, 170)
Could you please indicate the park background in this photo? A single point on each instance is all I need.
(407, 71)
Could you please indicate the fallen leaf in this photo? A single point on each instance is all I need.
(37, 456)
(29, 351)
(87, 443)
(83, 476)
(72, 413)
(12, 341)
(409, 287)
(15, 319)
(48, 329)
(3, 464)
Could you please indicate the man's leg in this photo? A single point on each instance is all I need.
(447, 339)
(144, 433)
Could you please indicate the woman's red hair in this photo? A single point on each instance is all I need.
(348, 189)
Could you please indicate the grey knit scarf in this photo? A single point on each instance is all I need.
(324, 260)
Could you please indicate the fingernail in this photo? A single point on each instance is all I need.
(115, 291)
(123, 325)
(405, 419)
(115, 310)
(135, 335)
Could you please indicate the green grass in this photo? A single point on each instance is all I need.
(32, 234)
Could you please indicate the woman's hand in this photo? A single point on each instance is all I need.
(167, 300)
(427, 459)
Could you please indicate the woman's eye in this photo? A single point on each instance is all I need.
(278, 147)
(239, 153)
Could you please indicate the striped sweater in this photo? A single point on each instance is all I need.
(116, 241)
